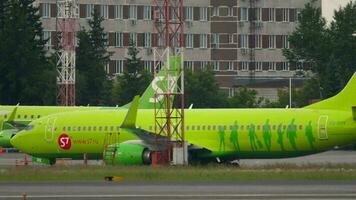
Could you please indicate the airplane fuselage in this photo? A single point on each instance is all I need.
(235, 133)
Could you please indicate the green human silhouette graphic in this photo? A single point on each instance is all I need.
(222, 138)
(253, 137)
(280, 133)
(309, 134)
(292, 134)
(234, 138)
(267, 135)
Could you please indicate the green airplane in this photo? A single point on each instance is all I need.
(16, 118)
(126, 136)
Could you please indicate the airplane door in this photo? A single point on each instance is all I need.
(323, 127)
(49, 129)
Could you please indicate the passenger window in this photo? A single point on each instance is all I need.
(89, 128)
(100, 128)
(64, 128)
(284, 127)
(301, 127)
(105, 128)
(5, 116)
(214, 127)
(38, 116)
(25, 117)
(198, 128)
(18, 116)
(74, 128)
(79, 128)
(94, 128)
(225, 127)
(193, 128)
(274, 127)
(209, 127)
(68, 128)
(111, 128)
(247, 127)
(32, 116)
(258, 127)
(203, 127)
(187, 127)
(55, 129)
(84, 128)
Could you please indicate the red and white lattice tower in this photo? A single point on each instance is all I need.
(169, 113)
(66, 19)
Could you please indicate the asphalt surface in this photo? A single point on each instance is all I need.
(329, 157)
(190, 190)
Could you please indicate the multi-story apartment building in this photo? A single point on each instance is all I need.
(241, 39)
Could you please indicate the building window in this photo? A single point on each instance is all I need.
(244, 66)
(271, 14)
(147, 65)
(46, 10)
(230, 11)
(203, 14)
(244, 14)
(203, 41)
(231, 38)
(285, 14)
(189, 41)
(133, 12)
(119, 12)
(147, 13)
(216, 11)
(258, 41)
(104, 11)
(215, 40)
(300, 66)
(203, 64)
(119, 67)
(119, 40)
(271, 41)
(285, 66)
(243, 41)
(147, 40)
(258, 14)
(271, 66)
(46, 35)
(231, 66)
(216, 66)
(189, 65)
(90, 10)
(258, 66)
(189, 14)
(231, 92)
(285, 42)
(133, 38)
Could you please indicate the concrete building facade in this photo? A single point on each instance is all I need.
(241, 39)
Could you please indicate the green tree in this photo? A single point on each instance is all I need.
(133, 81)
(27, 75)
(93, 84)
(202, 90)
(329, 49)
(244, 98)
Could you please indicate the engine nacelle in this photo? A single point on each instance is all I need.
(5, 137)
(127, 154)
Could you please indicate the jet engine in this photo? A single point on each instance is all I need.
(127, 154)
(5, 137)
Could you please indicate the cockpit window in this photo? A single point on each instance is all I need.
(29, 127)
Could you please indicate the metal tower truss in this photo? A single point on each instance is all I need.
(66, 18)
(169, 90)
